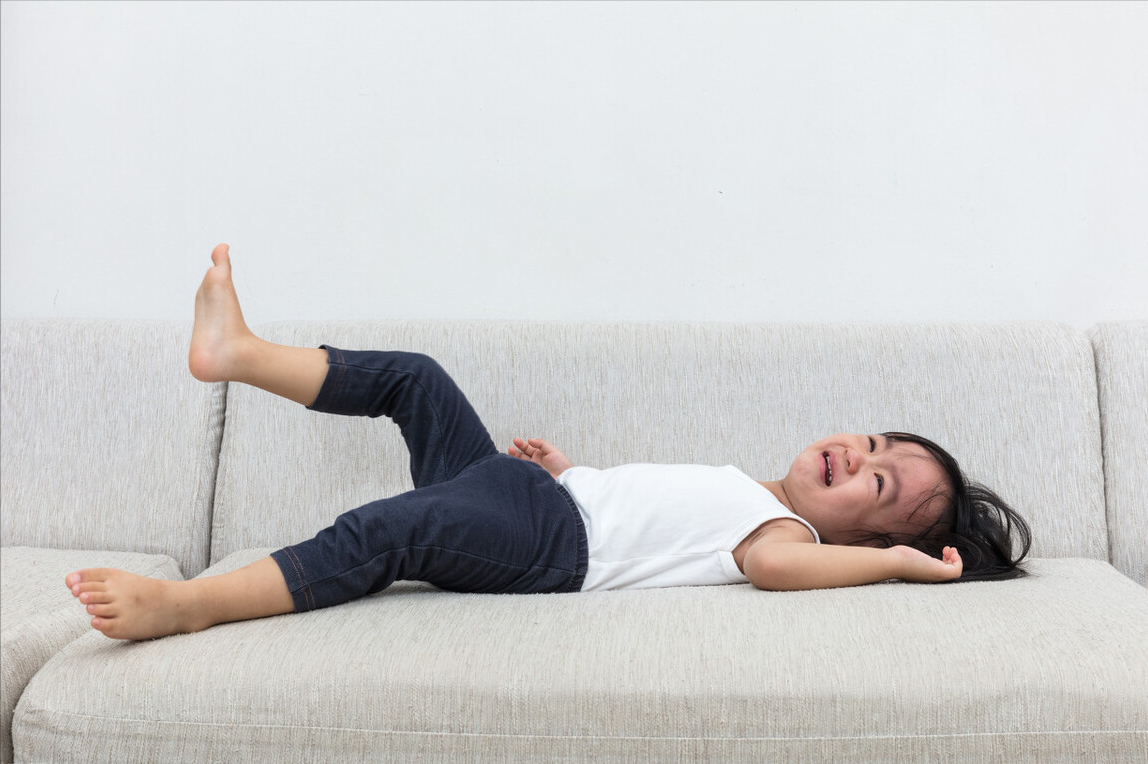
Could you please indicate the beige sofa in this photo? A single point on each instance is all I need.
(114, 455)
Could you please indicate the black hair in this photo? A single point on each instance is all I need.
(978, 523)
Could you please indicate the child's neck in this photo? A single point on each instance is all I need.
(775, 487)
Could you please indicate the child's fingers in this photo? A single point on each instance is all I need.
(532, 449)
(952, 558)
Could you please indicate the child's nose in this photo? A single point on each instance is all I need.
(854, 460)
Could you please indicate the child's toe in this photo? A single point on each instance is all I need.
(89, 588)
(95, 597)
(87, 576)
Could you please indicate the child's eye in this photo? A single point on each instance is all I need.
(872, 444)
(880, 485)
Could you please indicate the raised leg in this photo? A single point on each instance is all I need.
(126, 606)
(443, 433)
(223, 348)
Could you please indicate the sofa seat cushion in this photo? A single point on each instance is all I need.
(1047, 668)
(39, 616)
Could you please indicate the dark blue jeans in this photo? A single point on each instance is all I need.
(477, 521)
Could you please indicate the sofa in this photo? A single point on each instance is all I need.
(114, 456)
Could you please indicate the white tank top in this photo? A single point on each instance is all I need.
(654, 525)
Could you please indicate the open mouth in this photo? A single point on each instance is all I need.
(828, 468)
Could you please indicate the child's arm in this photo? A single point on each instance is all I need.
(542, 453)
(780, 559)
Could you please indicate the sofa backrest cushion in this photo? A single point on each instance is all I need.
(1016, 404)
(1122, 377)
(108, 441)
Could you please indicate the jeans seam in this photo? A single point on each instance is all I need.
(433, 404)
(582, 562)
(333, 382)
(337, 359)
(437, 419)
(305, 586)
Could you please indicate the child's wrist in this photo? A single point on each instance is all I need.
(899, 562)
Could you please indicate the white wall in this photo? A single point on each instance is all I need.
(808, 162)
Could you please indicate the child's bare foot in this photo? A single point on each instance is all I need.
(220, 335)
(127, 606)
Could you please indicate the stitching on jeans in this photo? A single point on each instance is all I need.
(310, 596)
(304, 587)
(437, 421)
(582, 555)
(294, 567)
(340, 371)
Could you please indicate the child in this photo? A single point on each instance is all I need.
(853, 509)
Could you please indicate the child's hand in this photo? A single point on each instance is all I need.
(921, 568)
(542, 453)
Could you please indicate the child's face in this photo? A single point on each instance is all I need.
(845, 484)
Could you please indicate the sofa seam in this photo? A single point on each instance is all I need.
(1094, 342)
(223, 389)
(453, 733)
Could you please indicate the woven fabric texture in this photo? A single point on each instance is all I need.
(891, 672)
(1016, 404)
(107, 441)
(1122, 379)
(38, 615)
